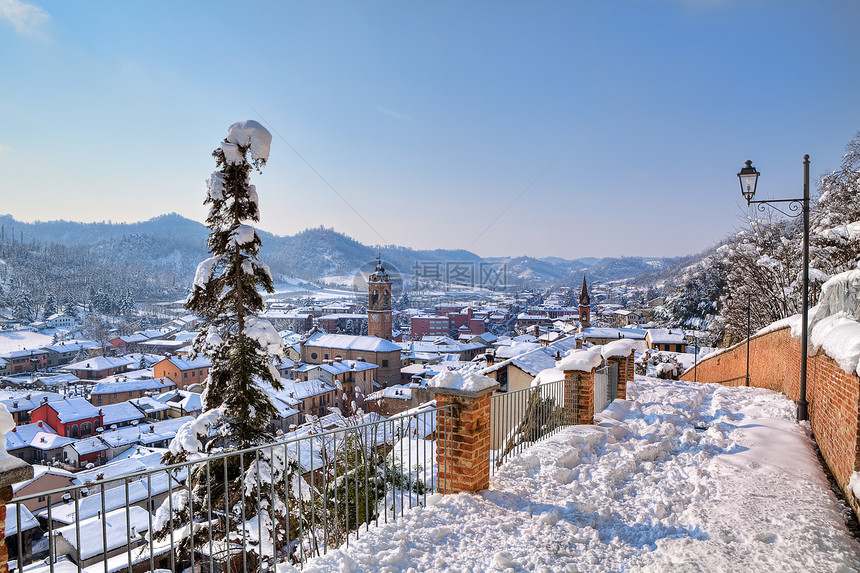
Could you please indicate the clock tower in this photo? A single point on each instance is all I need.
(379, 302)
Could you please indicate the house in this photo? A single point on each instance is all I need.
(665, 339)
(518, 372)
(154, 410)
(86, 452)
(70, 417)
(117, 390)
(45, 478)
(27, 529)
(20, 408)
(121, 415)
(151, 435)
(98, 367)
(355, 377)
(182, 403)
(625, 317)
(127, 343)
(36, 443)
(316, 396)
(84, 541)
(26, 360)
(184, 373)
(66, 352)
(319, 347)
(63, 321)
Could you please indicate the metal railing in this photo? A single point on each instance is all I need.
(522, 417)
(605, 386)
(246, 510)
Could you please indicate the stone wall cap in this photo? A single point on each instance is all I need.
(13, 470)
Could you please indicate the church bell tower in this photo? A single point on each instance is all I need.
(584, 306)
(379, 302)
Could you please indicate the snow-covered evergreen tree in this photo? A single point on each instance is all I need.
(24, 306)
(237, 409)
(50, 307)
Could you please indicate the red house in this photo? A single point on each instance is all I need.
(71, 417)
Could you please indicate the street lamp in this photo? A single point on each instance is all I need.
(748, 178)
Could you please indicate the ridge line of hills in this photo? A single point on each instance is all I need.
(174, 244)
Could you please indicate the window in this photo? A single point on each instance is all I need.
(385, 363)
(74, 430)
(313, 355)
(86, 429)
(325, 356)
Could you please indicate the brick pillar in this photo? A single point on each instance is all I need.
(463, 439)
(621, 369)
(579, 397)
(12, 470)
(631, 360)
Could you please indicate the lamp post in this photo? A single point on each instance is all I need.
(748, 178)
(749, 306)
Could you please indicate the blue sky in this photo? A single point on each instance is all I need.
(540, 128)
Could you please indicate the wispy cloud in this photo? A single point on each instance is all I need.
(4, 149)
(394, 114)
(27, 19)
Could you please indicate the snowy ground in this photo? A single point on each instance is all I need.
(11, 340)
(683, 477)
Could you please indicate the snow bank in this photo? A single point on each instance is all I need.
(548, 376)
(839, 337)
(464, 380)
(251, 134)
(619, 348)
(684, 477)
(581, 360)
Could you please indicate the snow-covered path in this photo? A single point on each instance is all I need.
(683, 477)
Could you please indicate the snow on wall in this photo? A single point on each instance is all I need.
(465, 380)
(619, 348)
(7, 424)
(581, 360)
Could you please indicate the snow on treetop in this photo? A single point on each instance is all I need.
(465, 380)
(581, 360)
(251, 134)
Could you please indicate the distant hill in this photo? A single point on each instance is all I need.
(171, 243)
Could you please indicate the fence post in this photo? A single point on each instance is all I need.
(463, 438)
(12, 470)
(579, 396)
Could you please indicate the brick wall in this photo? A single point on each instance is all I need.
(833, 394)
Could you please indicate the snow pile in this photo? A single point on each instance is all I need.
(684, 477)
(581, 360)
(463, 380)
(250, 134)
(619, 348)
(833, 322)
(548, 376)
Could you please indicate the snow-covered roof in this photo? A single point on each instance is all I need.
(302, 389)
(38, 471)
(349, 342)
(114, 498)
(73, 409)
(119, 413)
(665, 336)
(189, 364)
(39, 435)
(188, 401)
(115, 525)
(97, 363)
(28, 522)
(89, 446)
(116, 385)
(30, 401)
(149, 405)
(335, 368)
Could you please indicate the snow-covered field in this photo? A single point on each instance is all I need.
(11, 340)
(682, 477)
